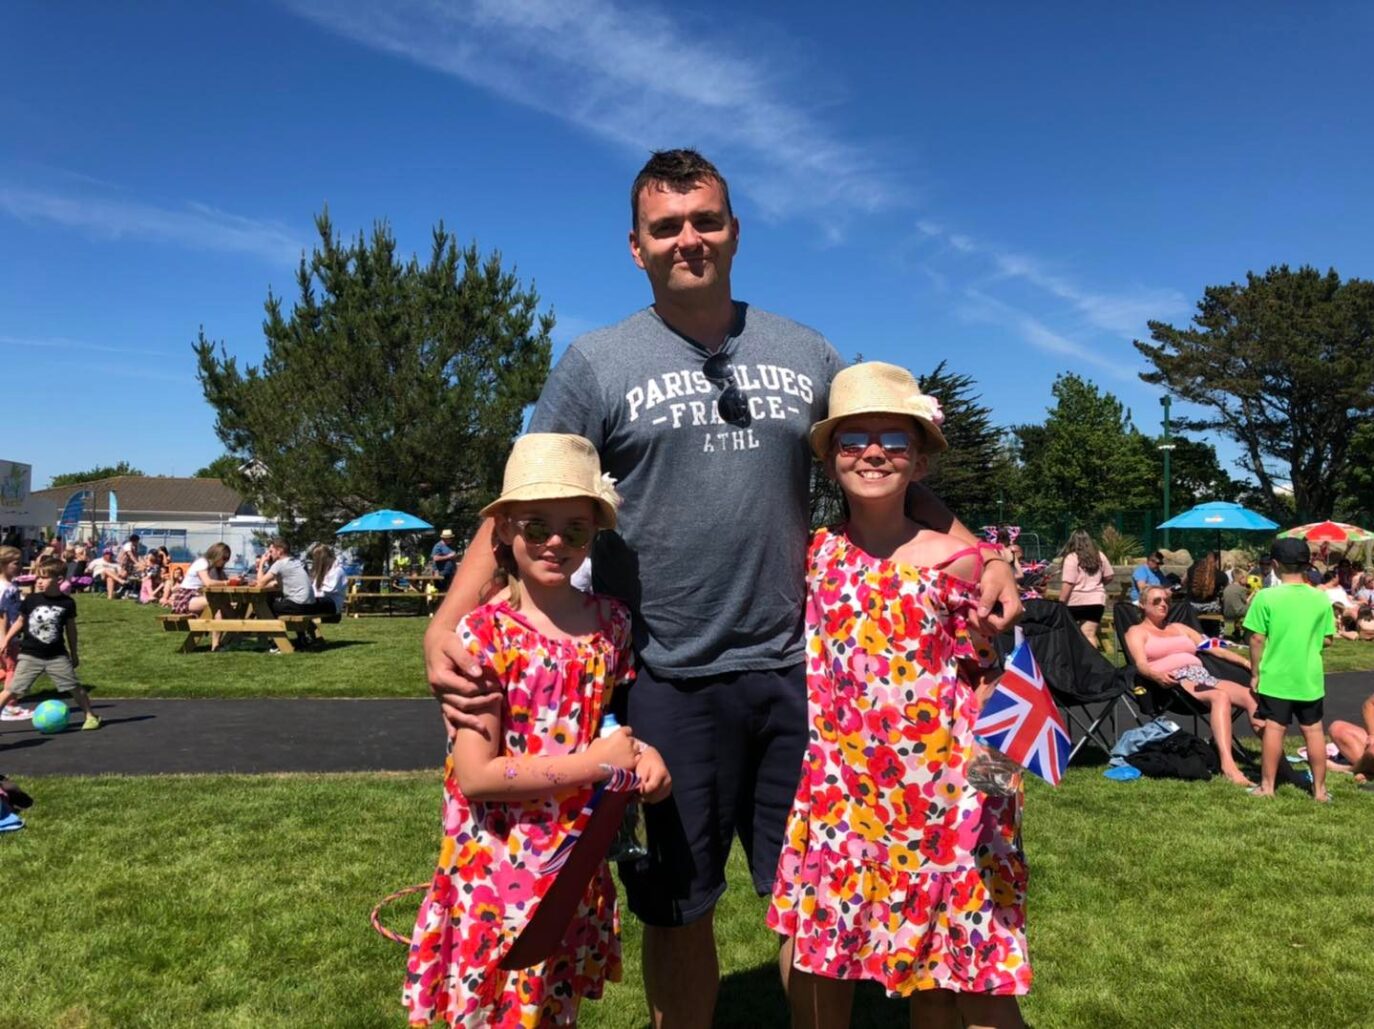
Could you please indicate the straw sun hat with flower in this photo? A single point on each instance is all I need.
(553, 466)
(877, 388)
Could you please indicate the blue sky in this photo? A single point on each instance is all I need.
(1013, 188)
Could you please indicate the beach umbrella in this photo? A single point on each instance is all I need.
(386, 520)
(1218, 515)
(1329, 532)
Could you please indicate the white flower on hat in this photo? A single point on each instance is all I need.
(937, 414)
(606, 487)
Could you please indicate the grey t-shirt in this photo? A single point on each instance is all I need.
(710, 549)
(294, 580)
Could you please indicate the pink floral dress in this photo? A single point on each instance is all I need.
(488, 884)
(893, 868)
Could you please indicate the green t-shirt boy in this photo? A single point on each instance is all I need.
(1294, 620)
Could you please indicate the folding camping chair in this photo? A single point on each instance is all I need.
(1153, 700)
(1086, 686)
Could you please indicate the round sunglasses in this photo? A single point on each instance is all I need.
(732, 404)
(537, 531)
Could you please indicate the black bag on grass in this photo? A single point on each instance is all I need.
(1180, 755)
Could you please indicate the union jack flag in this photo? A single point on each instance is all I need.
(1022, 720)
(1213, 643)
(621, 780)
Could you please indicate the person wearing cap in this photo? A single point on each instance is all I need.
(445, 560)
(699, 405)
(1289, 625)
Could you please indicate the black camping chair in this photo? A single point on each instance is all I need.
(1153, 700)
(1086, 686)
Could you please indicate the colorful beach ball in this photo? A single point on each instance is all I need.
(50, 716)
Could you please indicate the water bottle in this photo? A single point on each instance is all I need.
(991, 772)
(628, 844)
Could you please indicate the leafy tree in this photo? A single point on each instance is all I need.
(1282, 362)
(101, 472)
(389, 384)
(1356, 503)
(226, 468)
(1086, 460)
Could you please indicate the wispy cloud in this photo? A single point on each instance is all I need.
(987, 308)
(1123, 314)
(61, 343)
(634, 75)
(195, 225)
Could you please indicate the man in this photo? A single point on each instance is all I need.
(445, 560)
(1356, 742)
(700, 407)
(1147, 574)
(278, 569)
(1265, 570)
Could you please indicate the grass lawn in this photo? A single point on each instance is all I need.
(125, 653)
(241, 901)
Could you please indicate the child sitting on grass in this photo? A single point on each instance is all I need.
(1290, 623)
(47, 621)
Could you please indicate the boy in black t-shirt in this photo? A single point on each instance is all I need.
(47, 619)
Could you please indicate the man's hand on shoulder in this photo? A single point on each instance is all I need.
(997, 586)
(464, 688)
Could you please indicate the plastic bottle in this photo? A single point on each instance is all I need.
(628, 844)
(991, 772)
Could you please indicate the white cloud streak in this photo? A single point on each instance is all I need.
(986, 308)
(636, 77)
(1123, 314)
(196, 226)
(60, 343)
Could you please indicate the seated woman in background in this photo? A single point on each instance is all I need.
(1355, 622)
(328, 577)
(1166, 654)
(1205, 583)
(154, 571)
(171, 583)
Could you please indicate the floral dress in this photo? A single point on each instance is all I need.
(488, 884)
(893, 868)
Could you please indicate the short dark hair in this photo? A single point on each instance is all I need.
(52, 567)
(279, 543)
(1158, 555)
(678, 170)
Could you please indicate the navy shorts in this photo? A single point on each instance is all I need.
(1282, 712)
(734, 747)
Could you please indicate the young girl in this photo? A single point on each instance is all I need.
(893, 868)
(10, 598)
(513, 789)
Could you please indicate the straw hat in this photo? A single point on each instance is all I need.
(447, 534)
(877, 388)
(551, 466)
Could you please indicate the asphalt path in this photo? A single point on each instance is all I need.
(145, 737)
(148, 737)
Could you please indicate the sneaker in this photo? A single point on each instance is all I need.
(11, 822)
(91, 722)
(15, 713)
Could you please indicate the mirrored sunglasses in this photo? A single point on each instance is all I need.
(894, 442)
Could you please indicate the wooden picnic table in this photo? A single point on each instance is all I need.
(397, 585)
(239, 611)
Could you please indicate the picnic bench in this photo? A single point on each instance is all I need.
(366, 591)
(241, 611)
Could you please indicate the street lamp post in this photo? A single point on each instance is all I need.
(1167, 447)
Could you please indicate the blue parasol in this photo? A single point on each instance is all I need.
(1218, 514)
(386, 521)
